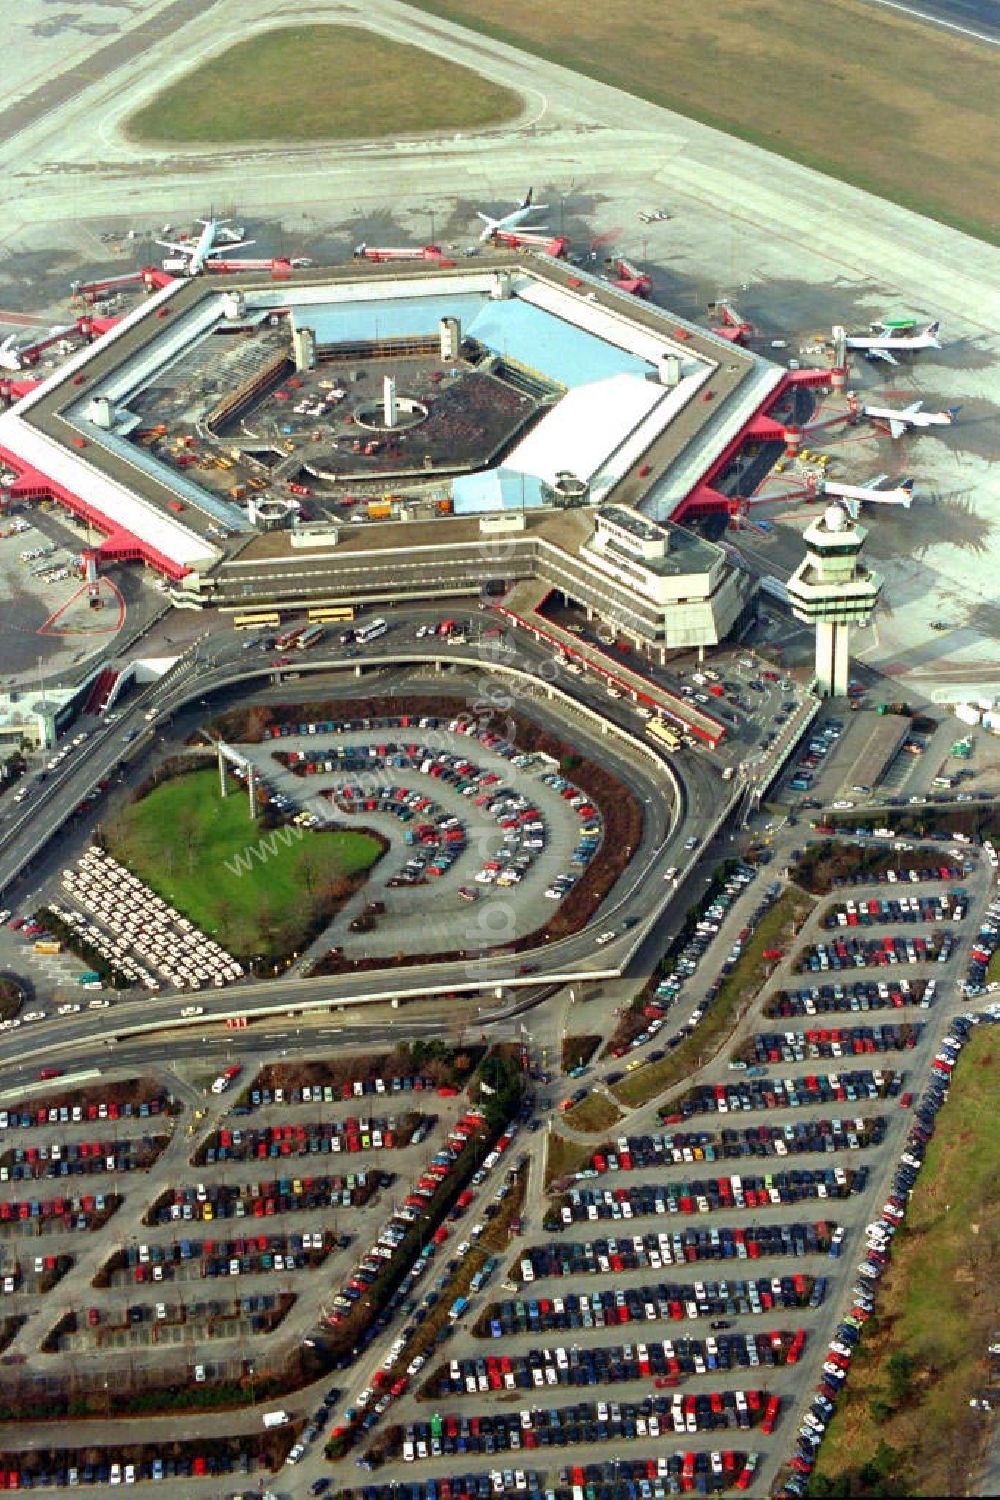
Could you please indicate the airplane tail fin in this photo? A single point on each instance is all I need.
(953, 412)
(932, 333)
(527, 201)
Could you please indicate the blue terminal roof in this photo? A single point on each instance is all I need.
(404, 317)
(495, 489)
(549, 344)
(511, 328)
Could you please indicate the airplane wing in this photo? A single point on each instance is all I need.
(228, 247)
(487, 219)
(896, 427)
(890, 359)
(177, 249)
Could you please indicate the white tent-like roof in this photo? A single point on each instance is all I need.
(585, 428)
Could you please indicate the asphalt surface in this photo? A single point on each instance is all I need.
(977, 19)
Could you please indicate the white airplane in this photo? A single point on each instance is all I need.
(885, 345)
(910, 416)
(15, 345)
(215, 239)
(10, 358)
(511, 221)
(856, 495)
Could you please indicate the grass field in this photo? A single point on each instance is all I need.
(314, 83)
(562, 1157)
(595, 1113)
(851, 89)
(938, 1311)
(738, 989)
(184, 841)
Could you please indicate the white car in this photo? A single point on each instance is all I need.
(192, 1010)
(605, 937)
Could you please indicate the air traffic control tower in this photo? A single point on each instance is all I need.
(833, 590)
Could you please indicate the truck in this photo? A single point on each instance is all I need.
(276, 1419)
(47, 945)
(226, 1077)
(89, 977)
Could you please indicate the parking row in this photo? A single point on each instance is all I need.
(788, 1093)
(260, 1096)
(36, 1275)
(73, 1469)
(675, 1473)
(862, 995)
(709, 1194)
(265, 1310)
(80, 1211)
(582, 1422)
(243, 1255)
(705, 928)
(612, 1364)
(813, 754)
(80, 1158)
(395, 1234)
(868, 953)
(681, 1247)
(873, 911)
(23, 1117)
(915, 875)
(687, 1147)
(833, 1041)
(987, 938)
(306, 1139)
(664, 1302)
(278, 1195)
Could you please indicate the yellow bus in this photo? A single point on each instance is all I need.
(262, 621)
(326, 614)
(663, 734)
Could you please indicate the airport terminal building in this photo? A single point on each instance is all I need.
(375, 432)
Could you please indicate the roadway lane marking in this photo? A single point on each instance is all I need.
(923, 15)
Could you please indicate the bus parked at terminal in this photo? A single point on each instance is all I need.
(663, 734)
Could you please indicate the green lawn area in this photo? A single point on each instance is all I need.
(596, 1112)
(314, 83)
(849, 88)
(775, 929)
(563, 1157)
(193, 848)
(906, 1413)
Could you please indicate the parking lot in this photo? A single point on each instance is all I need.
(807, 1164)
(478, 819)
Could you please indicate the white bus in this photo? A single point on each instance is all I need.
(370, 632)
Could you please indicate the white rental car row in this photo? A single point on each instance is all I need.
(145, 925)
